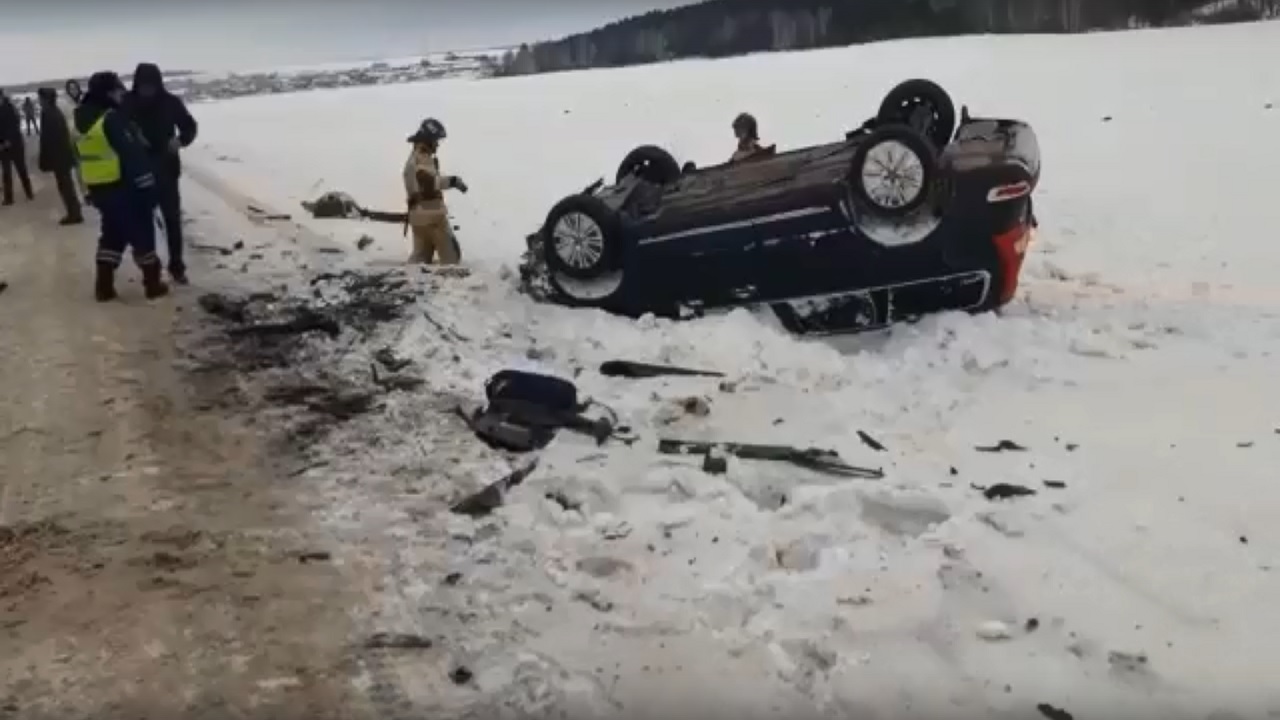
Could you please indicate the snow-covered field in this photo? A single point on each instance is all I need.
(1136, 367)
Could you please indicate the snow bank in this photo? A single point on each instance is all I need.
(1136, 368)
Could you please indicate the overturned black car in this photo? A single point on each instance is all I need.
(912, 213)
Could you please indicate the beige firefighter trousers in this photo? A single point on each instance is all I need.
(433, 237)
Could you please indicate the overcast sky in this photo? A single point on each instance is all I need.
(41, 39)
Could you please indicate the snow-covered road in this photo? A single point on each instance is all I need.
(1136, 368)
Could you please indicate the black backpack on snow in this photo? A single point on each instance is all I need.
(525, 410)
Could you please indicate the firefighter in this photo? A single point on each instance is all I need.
(424, 186)
(114, 164)
(747, 131)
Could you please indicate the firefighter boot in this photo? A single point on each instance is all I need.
(104, 287)
(152, 285)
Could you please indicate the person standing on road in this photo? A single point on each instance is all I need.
(58, 155)
(67, 103)
(29, 114)
(116, 169)
(424, 186)
(167, 127)
(74, 93)
(13, 151)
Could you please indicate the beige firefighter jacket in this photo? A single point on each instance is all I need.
(746, 149)
(424, 186)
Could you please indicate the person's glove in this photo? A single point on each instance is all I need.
(457, 183)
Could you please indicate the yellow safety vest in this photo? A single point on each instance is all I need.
(99, 163)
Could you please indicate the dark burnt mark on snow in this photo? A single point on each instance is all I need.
(1003, 491)
(1002, 446)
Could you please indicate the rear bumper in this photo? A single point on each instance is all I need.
(1011, 249)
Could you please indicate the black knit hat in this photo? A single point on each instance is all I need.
(104, 83)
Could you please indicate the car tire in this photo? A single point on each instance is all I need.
(893, 172)
(652, 164)
(582, 238)
(922, 105)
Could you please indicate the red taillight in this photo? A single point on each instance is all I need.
(1011, 248)
(1005, 193)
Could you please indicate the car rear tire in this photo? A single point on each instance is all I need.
(652, 164)
(893, 171)
(923, 106)
(582, 238)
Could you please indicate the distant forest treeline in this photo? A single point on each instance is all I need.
(720, 28)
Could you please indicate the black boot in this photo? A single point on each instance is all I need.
(104, 287)
(152, 285)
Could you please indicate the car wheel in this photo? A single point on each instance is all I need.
(923, 106)
(581, 238)
(893, 171)
(652, 164)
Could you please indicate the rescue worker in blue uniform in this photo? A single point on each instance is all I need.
(114, 163)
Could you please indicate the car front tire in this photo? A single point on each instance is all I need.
(582, 238)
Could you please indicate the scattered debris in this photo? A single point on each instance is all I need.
(1053, 713)
(826, 461)
(336, 402)
(1072, 447)
(3, 286)
(448, 331)
(1002, 446)
(461, 675)
(1031, 625)
(257, 213)
(1127, 661)
(1244, 444)
(314, 556)
(696, 406)
(395, 381)
(1000, 525)
(1106, 118)
(1055, 484)
(213, 248)
(387, 358)
(364, 242)
(715, 463)
(638, 370)
(565, 502)
(340, 205)
(491, 496)
(305, 322)
(1003, 491)
(453, 579)
(994, 630)
(398, 641)
(870, 442)
(593, 598)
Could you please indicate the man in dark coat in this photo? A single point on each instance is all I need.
(58, 155)
(13, 150)
(118, 172)
(29, 114)
(167, 127)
